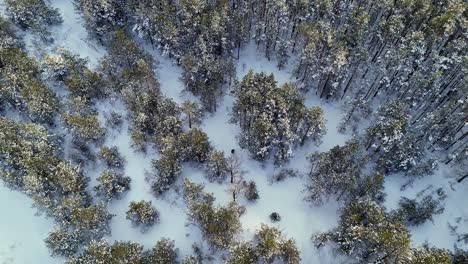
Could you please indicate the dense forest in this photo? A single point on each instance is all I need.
(76, 128)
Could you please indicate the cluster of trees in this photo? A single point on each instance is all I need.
(36, 15)
(32, 155)
(370, 235)
(269, 245)
(21, 87)
(195, 33)
(164, 252)
(339, 173)
(274, 120)
(219, 225)
(407, 57)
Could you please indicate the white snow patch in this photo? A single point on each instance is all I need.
(22, 233)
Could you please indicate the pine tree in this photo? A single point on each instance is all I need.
(367, 233)
(62, 242)
(271, 245)
(428, 255)
(33, 14)
(218, 224)
(9, 35)
(142, 214)
(164, 252)
(21, 88)
(103, 16)
(242, 253)
(112, 185)
(273, 119)
(335, 173)
(193, 113)
(91, 222)
(84, 127)
(111, 157)
(166, 169)
(193, 145)
(216, 166)
(100, 252)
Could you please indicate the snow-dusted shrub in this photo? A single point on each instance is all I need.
(216, 166)
(416, 213)
(218, 224)
(112, 184)
(271, 245)
(84, 127)
(242, 252)
(35, 14)
(164, 252)
(142, 214)
(62, 242)
(111, 157)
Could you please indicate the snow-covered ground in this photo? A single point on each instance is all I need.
(22, 233)
(437, 232)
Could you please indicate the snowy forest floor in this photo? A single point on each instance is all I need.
(22, 234)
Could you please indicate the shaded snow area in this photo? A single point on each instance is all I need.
(22, 233)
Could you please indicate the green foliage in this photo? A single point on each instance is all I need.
(216, 166)
(142, 214)
(167, 168)
(164, 252)
(104, 16)
(427, 255)
(100, 252)
(92, 221)
(30, 162)
(218, 224)
(336, 172)
(34, 14)
(84, 127)
(21, 87)
(193, 113)
(415, 213)
(268, 242)
(8, 35)
(273, 120)
(62, 242)
(271, 246)
(242, 253)
(111, 157)
(369, 234)
(112, 185)
(194, 146)
(61, 65)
